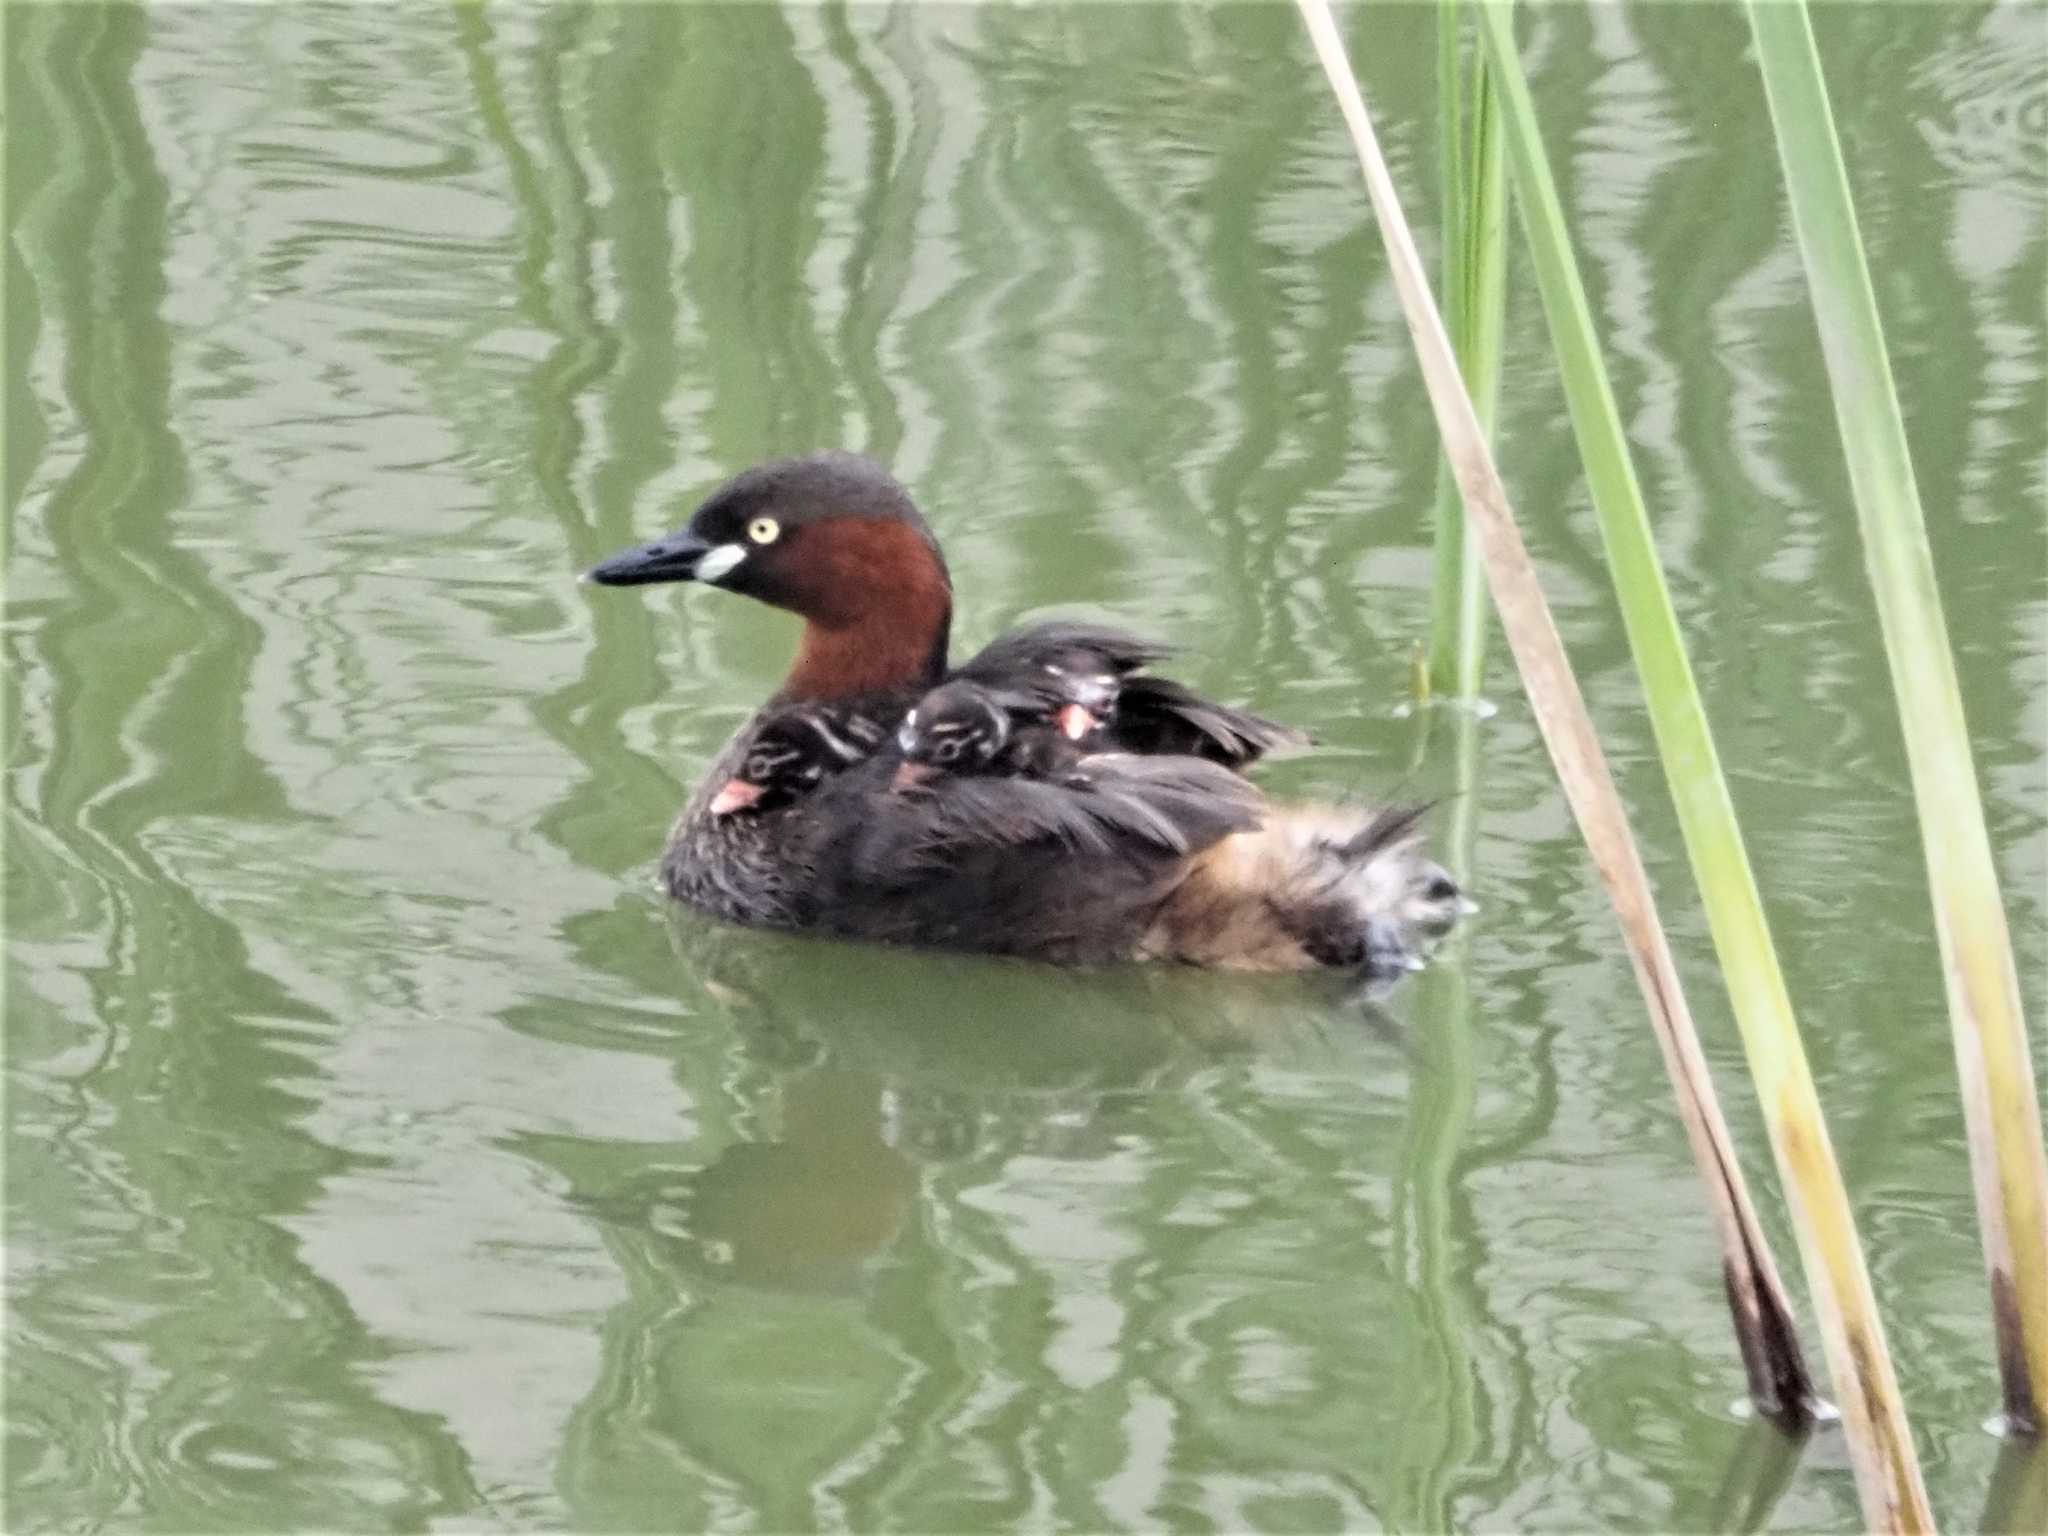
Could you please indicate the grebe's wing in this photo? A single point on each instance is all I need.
(1157, 715)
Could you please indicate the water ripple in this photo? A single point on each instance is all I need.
(383, 1155)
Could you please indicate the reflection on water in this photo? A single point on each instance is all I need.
(383, 1153)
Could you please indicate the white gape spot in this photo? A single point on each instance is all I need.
(719, 560)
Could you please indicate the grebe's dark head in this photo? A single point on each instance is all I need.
(833, 538)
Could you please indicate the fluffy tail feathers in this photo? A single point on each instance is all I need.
(1312, 888)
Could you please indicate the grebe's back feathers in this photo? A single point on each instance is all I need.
(1110, 804)
(1068, 870)
(1158, 715)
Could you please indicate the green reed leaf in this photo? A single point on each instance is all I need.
(1881, 1446)
(2000, 1102)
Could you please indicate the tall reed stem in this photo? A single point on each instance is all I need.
(1763, 1322)
(2001, 1106)
(1475, 294)
(1852, 1332)
(1440, 1110)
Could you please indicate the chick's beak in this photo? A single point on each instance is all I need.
(1074, 721)
(737, 795)
(674, 558)
(911, 775)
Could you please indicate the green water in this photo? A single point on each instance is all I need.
(382, 1154)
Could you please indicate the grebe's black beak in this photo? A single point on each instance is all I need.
(674, 558)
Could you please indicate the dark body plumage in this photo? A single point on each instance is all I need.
(1069, 871)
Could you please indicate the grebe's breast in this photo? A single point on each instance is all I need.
(764, 868)
(737, 867)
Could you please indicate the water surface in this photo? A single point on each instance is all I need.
(383, 1154)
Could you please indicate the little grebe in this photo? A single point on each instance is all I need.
(1088, 810)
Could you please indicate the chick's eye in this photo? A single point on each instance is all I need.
(948, 749)
(1440, 888)
(760, 765)
(764, 530)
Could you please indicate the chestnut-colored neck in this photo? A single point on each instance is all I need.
(878, 610)
(882, 655)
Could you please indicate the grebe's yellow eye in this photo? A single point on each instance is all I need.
(764, 530)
